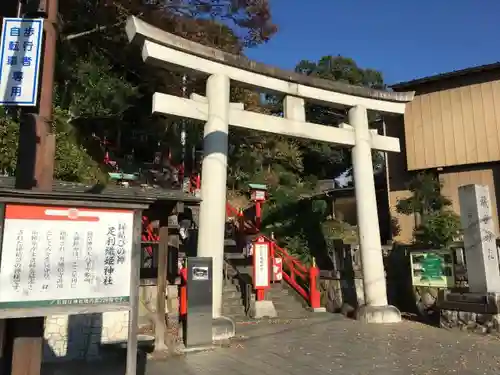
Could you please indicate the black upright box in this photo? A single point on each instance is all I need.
(198, 324)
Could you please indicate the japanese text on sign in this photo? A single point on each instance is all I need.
(261, 265)
(52, 255)
(19, 58)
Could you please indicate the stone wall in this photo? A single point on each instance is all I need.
(470, 322)
(78, 337)
(341, 295)
(70, 337)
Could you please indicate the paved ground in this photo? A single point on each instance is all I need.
(331, 344)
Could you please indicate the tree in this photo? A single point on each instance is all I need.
(292, 167)
(103, 86)
(72, 163)
(324, 160)
(436, 225)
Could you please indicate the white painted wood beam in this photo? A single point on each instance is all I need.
(198, 110)
(156, 53)
(203, 99)
(294, 108)
(379, 142)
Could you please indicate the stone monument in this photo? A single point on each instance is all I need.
(478, 307)
(479, 239)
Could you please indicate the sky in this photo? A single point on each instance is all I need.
(404, 39)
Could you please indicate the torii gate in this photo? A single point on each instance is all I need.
(164, 49)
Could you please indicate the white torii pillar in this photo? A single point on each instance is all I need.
(376, 308)
(164, 49)
(219, 113)
(212, 219)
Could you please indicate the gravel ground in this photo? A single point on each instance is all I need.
(323, 345)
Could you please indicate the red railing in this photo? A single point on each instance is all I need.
(301, 278)
(148, 235)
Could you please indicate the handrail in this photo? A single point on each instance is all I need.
(148, 235)
(293, 265)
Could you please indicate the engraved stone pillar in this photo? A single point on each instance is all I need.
(479, 239)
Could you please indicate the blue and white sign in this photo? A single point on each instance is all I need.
(20, 53)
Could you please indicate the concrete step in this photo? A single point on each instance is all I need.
(289, 307)
(232, 302)
(287, 302)
(240, 318)
(231, 286)
(231, 294)
(232, 311)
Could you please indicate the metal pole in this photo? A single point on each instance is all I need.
(183, 133)
(20, 4)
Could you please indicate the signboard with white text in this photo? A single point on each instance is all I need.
(20, 52)
(65, 256)
(261, 264)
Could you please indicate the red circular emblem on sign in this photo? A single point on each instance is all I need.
(73, 213)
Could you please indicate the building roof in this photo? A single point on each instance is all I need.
(109, 192)
(410, 85)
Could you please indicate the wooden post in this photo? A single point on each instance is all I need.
(173, 253)
(27, 346)
(35, 168)
(135, 279)
(161, 286)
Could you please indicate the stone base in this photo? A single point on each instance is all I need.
(470, 322)
(264, 309)
(223, 328)
(378, 314)
(470, 312)
(78, 337)
(319, 309)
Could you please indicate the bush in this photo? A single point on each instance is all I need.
(438, 224)
(72, 163)
(438, 230)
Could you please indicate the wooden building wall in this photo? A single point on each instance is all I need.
(488, 175)
(455, 122)
(450, 177)
(398, 178)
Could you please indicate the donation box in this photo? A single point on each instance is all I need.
(198, 323)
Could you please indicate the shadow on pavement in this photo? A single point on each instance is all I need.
(113, 365)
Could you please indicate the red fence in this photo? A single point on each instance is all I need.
(302, 279)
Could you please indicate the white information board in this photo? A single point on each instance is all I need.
(65, 256)
(261, 265)
(20, 51)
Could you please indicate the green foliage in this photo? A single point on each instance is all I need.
(9, 135)
(103, 86)
(97, 91)
(72, 162)
(342, 69)
(426, 196)
(439, 229)
(291, 168)
(437, 225)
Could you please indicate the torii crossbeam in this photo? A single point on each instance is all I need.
(169, 51)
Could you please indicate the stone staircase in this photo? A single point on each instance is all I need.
(287, 302)
(233, 305)
(238, 297)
